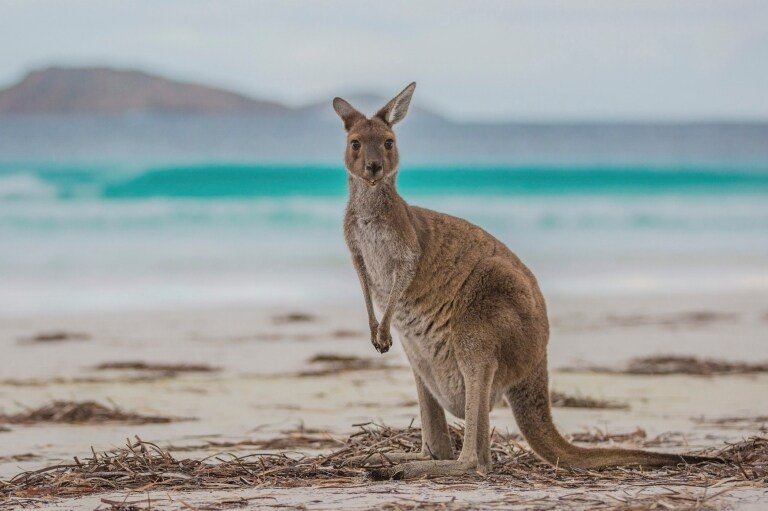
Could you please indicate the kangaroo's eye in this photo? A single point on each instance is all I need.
(355, 145)
(389, 143)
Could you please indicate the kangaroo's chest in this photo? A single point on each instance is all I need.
(381, 249)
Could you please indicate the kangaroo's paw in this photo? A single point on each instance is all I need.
(383, 340)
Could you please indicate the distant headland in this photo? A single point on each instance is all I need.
(108, 91)
(100, 90)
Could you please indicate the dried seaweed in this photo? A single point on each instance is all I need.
(146, 466)
(331, 364)
(748, 422)
(597, 436)
(333, 358)
(562, 400)
(81, 380)
(668, 499)
(56, 336)
(293, 317)
(81, 412)
(347, 334)
(292, 439)
(580, 322)
(168, 369)
(675, 364)
(27, 456)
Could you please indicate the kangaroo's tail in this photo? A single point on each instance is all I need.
(530, 403)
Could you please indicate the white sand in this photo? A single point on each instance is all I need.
(257, 394)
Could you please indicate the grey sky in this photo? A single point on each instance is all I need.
(516, 60)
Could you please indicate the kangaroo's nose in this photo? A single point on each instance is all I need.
(374, 167)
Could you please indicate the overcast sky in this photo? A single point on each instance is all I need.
(495, 60)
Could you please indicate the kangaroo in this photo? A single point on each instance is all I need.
(469, 313)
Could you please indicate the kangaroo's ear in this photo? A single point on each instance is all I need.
(349, 115)
(394, 111)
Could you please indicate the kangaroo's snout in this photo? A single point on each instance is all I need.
(374, 167)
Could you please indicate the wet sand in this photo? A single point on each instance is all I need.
(262, 382)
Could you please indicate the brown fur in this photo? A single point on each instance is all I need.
(470, 314)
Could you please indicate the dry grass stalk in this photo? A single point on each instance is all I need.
(80, 412)
(144, 465)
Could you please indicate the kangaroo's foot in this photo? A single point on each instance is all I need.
(377, 459)
(432, 468)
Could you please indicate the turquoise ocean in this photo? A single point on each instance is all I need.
(99, 231)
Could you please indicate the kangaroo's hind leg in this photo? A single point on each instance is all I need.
(475, 454)
(435, 438)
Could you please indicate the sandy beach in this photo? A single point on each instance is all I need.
(245, 375)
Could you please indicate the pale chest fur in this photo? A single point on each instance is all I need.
(381, 250)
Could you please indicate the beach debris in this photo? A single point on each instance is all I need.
(165, 369)
(581, 322)
(758, 422)
(596, 436)
(562, 400)
(333, 358)
(125, 505)
(671, 364)
(681, 319)
(293, 317)
(146, 466)
(81, 412)
(56, 336)
(79, 380)
(667, 439)
(290, 439)
(27, 456)
(332, 364)
(677, 364)
(347, 334)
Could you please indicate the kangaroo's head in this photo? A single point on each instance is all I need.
(371, 153)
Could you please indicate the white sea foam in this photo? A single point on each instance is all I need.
(23, 185)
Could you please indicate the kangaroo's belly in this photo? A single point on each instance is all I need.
(433, 358)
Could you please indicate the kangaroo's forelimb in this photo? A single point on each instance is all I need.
(362, 274)
(402, 276)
